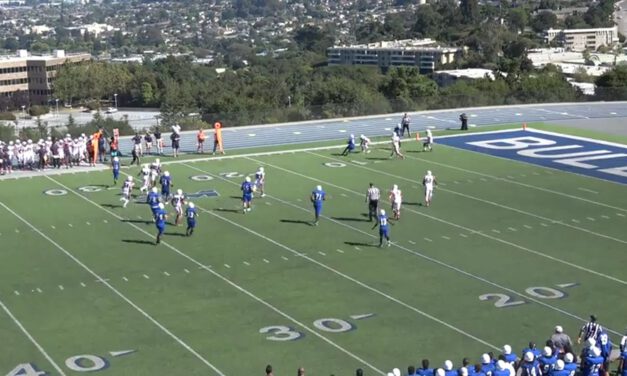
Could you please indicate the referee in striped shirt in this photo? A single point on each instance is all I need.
(372, 198)
(590, 330)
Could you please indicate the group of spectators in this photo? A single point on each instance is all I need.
(556, 358)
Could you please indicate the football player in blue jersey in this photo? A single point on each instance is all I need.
(529, 366)
(569, 364)
(622, 362)
(559, 369)
(190, 214)
(547, 361)
(509, 357)
(500, 369)
(384, 231)
(115, 166)
(317, 197)
(593, 363)
(166, 184)
(153, 200)
(424, 370)
(487, 366)
(160, 219)
(448, 366)
(247, 194)
(350, 145)
(605, 345)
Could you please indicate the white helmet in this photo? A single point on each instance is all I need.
(247, 179)
(547, 351)
(154, 190)
(559, 329)
(161, 206)
(261, 169)
(362, 136)
(569, 358)
(166, 173)
(395, 187)
(382, 212)
(179, 192)
(396, 372)
(146, 165)
(116, 159)
(500, 365)
(529, 356)
(559, 365)
(507, 349)
(429, 132)
(429, 172)
(157, 161)
(31, 141)
(440, 372)
(10, 142)
(191, 205)
(318, 187)
(390, 374)
(353, 136)
(448, 365)
(485, 358)
(129, 178)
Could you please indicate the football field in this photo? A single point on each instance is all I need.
(508, 249)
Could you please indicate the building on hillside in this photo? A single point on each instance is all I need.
(583, 39)
(33, 74)
(449, 77)
(424, 54)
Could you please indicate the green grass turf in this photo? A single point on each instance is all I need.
(195, 303)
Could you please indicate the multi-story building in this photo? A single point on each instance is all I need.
(583, 39)
(33, 74)
(423, 54)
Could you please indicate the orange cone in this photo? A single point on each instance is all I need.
(524, 126)
(417, 136)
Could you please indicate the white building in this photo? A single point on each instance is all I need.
(421, 53)
(582, 39)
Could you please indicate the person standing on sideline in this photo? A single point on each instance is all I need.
(135, 154)
(158, 140)
(372, 198)
(405, 124)
(464, 119)
(148, 141)
(560, 339)
(217, 138)
(317, 196)
(200, 138)
(591, 329)
(175, 137)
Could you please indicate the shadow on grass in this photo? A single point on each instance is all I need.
(110, 206)
(296, 221)
(174, 234)
(228, 210)
(137, 221)
(413, 203)
(137, 241)
(361, 244)
(350, 219)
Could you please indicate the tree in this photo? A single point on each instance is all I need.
(517, 19)
(313, 38)
(470, 10)
(11, 44)
(543, 21)
(428, 22)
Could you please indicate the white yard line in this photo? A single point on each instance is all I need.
(116, 291)
(227, 281)
(395, 244)
(31, 339)
(517, 246)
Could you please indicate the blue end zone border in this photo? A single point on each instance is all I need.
(574, 154)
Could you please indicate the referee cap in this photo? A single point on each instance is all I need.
(593, 318)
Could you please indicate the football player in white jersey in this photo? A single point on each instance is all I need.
(145, 174)
(396, 146)
(260, 182)
(428, 142)
(127, 189)
(429, 183)
(178, 201)
(364, 143)
(396, 198)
